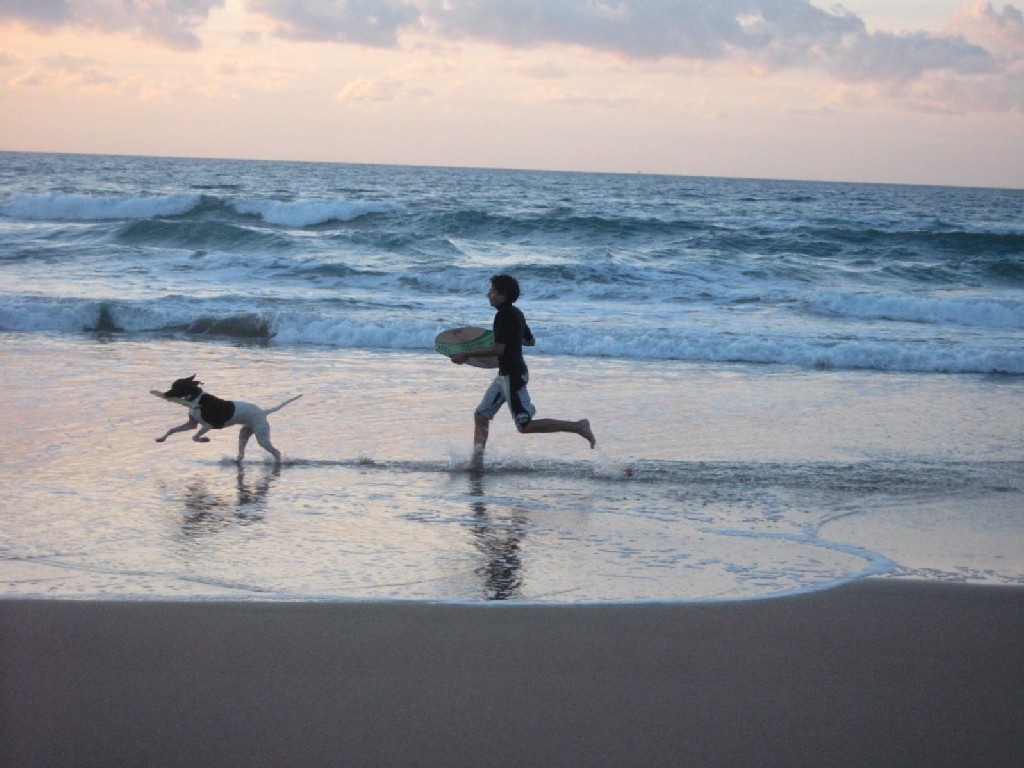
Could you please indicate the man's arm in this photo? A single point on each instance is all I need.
(495, 350)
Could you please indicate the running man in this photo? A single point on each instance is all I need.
(511, 334)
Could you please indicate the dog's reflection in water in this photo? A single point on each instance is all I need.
(209, 511)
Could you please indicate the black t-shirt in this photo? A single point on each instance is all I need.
(510, 329)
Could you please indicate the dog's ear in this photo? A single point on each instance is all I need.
(192, 377)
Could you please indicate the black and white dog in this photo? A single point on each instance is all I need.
(213, 413)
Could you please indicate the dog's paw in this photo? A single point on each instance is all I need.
(160, 439)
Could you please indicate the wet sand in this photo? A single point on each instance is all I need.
(874, 673)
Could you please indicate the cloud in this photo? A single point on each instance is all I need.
(66, 71)
(977, 58)
(547, 70)
(172, 23)
(383, 89)
(42, 15)
(252, 74)
(92, 75)
(1003, 32)
(373, 23)
(977, 65)
(974, 64)
(561, 97)
(887, 57)
(652, 29)
(771, 33)
(970, 61)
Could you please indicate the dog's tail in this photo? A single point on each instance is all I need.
(276, 408)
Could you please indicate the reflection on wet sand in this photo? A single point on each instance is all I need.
(498, 540)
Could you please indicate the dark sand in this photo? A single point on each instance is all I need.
(879, 673)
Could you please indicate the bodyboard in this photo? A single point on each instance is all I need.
(467, 339)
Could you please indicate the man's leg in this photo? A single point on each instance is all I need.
(523, 410)
(482, 427)
(581, 428)
(492, 401)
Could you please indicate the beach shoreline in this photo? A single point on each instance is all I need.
(877, 672)
(780, 481)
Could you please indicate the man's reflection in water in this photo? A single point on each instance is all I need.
(208, 512)
(498, 541)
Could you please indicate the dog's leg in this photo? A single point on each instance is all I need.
(200, 436)
(243, 438)
(190, 424)
(262, 432)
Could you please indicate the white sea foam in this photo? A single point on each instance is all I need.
(306, 213)
(978, 311)
(79, 207)
(742, 342)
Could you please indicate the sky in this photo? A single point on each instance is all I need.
(895, 91)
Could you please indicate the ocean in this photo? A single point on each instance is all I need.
(793, 384)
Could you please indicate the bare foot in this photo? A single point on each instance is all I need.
(587, 433)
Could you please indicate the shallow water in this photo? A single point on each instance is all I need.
(710, 481)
